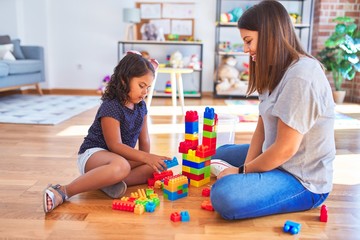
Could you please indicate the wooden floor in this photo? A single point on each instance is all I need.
(31, 156)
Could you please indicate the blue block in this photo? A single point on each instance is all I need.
(171, 163)
(193, 164)
(191, 127)
(185, 217)
(209, 113)
(292, 227)
(150, 206)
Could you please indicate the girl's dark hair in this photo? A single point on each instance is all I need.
(278, 45)
(130, 66)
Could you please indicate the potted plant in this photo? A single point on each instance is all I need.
(341, 54)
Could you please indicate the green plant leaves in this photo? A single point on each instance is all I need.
(341, 54)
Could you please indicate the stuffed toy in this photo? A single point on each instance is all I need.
(148, 31)
(103, 85)
(194, 62)
(176, 60)
(228, 74)
(231, 16)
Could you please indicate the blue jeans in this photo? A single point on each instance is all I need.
(250, 195)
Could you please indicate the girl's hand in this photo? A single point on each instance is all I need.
(156, 162)
(228, 171)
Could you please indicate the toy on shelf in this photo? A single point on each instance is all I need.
(228, 74)
(244, 75)
(231, 16)
(323, 213)
(103, 85)
(168, 87)
(196, 158)
(194, 62)
(292, 227)
(149, 31)
(176, 60)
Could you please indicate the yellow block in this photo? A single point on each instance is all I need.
(199, 183)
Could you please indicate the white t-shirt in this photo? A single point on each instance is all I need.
(303, 100)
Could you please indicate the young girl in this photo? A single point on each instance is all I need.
(288, 165)
(107, 158)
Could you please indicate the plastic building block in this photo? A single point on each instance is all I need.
(139, 209)
(209, 113)
(171, 163)
(185, 217)
(206, 205)
(191, 127)
(191, 116)
(123, 205)
(323, 214)
(204, 151)
(150, 206)
(188, 144)
(175, 217)
(206, 192)
(158, 184)
(292, 227)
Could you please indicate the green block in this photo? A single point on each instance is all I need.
(209, 134)
(200, 171)
(209, 122)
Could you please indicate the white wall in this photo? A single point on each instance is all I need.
(80, 37)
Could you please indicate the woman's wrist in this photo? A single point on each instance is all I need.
(242, 169)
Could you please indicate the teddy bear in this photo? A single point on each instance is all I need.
(228, 75)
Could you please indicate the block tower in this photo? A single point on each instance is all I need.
(196, 158)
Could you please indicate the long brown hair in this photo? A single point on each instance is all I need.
(278, 45)
(130, 66)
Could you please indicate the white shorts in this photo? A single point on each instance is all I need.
(84, 157)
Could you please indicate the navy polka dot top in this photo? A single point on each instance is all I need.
(130, 124)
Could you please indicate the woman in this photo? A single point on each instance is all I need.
(288, 165)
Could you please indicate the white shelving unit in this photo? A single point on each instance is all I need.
(228, 32)
(161, 50)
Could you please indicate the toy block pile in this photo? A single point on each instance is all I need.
(195, 157)
(175, 187)
(139, 202)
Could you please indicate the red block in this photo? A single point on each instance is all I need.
(207, 205)
(123, 205)
(323, 214)
(205, 192)
(204, 151)
(191, 116)
(175, 217)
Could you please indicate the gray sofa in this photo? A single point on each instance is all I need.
(26, 69)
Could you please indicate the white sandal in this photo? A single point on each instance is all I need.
(48, 192)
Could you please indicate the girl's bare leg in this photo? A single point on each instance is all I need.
(139, 174)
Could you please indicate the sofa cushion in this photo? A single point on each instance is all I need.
(4, 49)
(5, 39)
(18, 54)
(4, 69)
(23, 66)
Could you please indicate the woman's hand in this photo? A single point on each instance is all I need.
(228, 171)
(156, 162)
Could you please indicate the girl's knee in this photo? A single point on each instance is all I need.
(120, 168)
